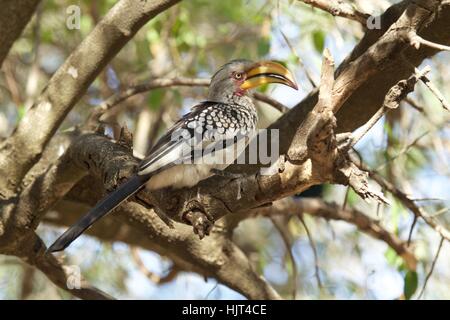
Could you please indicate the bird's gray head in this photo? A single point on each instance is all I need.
(237, 77)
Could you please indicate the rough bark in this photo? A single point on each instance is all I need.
(14, 16)
(23, 149)
(312, 152)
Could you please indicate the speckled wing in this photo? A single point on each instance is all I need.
(207, 123)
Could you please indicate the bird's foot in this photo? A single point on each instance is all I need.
(195, 215)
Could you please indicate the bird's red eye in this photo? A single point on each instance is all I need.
(238, 75)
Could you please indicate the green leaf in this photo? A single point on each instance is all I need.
(410, 285)
(319, 40)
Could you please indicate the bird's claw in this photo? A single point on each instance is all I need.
(201, 221)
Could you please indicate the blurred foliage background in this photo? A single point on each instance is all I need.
(410, 147)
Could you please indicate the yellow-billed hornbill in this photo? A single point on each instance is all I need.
(228, 115)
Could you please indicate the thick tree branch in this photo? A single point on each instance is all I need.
(392, 101)
(216, 256)
(137, 226)
(23, 149)
(433, 264)
(361, 84)
(369, 95)
(33, 252)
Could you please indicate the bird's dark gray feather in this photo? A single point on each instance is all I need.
(103, 207)
(206, 117)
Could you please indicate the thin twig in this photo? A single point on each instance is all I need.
(416, 41)
(216, 285)
(411, 230)
(165, 83)
(314, 250)
(287, 244)
(403, 198)
(432, 267)
(149, 274)
(427, 199)
(340, 9)
(392, 100)
(330, 211)
(435, 91)
(297, 57)
(271, 102)
(403, 151)
(439, 212)
(148, 86)
(414, 104)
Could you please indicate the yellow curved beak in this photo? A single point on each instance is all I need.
(268, 72)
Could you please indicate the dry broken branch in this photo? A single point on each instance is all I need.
(435, 91)
(407, 202)
(417, 41)
(392, 101)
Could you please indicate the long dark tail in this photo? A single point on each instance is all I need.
(107, 204)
